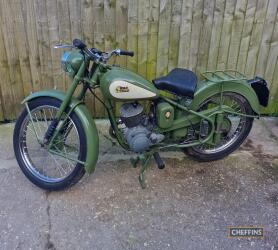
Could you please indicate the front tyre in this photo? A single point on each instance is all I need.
(47, 170)
(231, 138)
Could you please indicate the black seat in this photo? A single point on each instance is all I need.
(181, 82)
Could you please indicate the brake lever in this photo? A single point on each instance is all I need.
(117, 52)
(92, 55)
(110, 53)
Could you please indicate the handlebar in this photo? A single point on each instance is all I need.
(126, 53)
(96, 54)
(93, 53)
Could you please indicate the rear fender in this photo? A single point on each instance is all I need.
(207, 89)
(86, 119)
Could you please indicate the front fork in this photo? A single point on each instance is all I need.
(57, 125)
(52, 132)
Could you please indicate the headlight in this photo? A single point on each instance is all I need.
(71, 62)
(64, 60)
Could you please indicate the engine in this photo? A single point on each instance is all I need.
(138, 128)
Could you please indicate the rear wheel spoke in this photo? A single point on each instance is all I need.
(237, 123)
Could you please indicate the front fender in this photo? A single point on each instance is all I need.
(86, 119)
(207, 89)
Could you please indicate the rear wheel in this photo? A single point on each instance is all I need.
(47, 170)
(233, 135)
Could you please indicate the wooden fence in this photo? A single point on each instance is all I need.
(195, 34)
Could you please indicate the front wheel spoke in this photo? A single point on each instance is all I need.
(45, 119)
(51, 114)
(60, 160)
(56, 145)
(65, 155)
(34, 134)
(38, 125)
(57, 165)
(69, 164)
(57, 142)
(36, 155)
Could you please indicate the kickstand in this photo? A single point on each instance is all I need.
(134, 161)
(144, 159)
(144, 165)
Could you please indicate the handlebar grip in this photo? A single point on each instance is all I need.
(78, 44)
(126, 53)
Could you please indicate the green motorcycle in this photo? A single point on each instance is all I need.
(56, 140)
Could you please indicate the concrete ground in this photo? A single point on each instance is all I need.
(188, 205)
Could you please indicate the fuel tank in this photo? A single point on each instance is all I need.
(121, 84)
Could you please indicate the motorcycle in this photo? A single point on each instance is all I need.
(55, 137)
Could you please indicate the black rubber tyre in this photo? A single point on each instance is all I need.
(78, 171)
(203, 157)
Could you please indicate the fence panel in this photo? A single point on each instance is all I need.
(196, 34)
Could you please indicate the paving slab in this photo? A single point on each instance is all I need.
(188, 205)
(23, 212)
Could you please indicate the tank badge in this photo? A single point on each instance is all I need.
(121, 89)
(167, 114)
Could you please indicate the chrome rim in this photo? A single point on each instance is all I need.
(39, 161)
(237, 122)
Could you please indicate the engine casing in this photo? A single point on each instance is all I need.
(138, 131)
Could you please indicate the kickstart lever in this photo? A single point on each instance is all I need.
(160, 163)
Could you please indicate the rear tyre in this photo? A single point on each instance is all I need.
(44, 169)
(231, 140)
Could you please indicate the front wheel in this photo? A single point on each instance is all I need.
(236, 130)
(50, 171)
